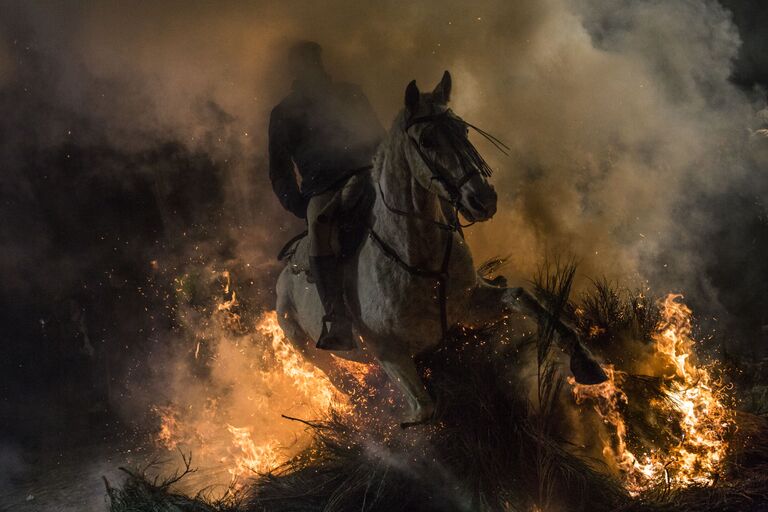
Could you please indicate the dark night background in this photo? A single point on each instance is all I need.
(95, 232)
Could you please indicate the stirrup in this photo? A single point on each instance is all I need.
(326, 341)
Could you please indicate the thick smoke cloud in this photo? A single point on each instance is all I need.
(613, 109)
(630, 142)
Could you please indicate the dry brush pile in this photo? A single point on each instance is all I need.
(508, 434)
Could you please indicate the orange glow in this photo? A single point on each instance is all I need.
(693, 398)
(249, 457)
(359, 371)
(231, 419)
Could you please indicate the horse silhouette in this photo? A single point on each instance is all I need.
(413, 277)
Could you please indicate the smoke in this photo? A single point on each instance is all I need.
(620, 113)
(625, 127)
(614, 111)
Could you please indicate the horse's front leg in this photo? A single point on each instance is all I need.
(400, 367)
(490, 303)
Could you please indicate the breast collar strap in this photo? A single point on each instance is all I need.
(441, 275)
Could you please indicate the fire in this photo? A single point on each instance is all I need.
(312, 386)
(231, 418)
(228, 304)
(167, 436)
(250, 457)
(359, 371)
(692, 398)
(307, 378)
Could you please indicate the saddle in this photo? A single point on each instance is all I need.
(352, 221)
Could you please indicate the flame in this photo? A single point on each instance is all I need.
(231, 419)
(167, 435)
(608, 399)
(227, 307)
(307, 378)
(250, 457)
(692, 398)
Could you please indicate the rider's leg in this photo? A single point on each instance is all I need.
(328, 273)
(320, 230)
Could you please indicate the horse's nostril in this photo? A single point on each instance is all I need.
(477, 205)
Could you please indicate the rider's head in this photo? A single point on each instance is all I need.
(305, 61)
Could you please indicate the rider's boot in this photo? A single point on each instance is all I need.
(337, 327)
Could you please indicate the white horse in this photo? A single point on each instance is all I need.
(413, 276)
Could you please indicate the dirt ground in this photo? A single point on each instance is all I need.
(73, 480)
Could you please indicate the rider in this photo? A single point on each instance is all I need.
(330, 132)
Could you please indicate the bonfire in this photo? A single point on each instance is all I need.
(495, 445)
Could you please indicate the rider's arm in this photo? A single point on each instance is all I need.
(281, 171)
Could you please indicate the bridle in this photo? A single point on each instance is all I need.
(454, 192)
(442, 119)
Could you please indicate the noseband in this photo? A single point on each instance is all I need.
(442, 119)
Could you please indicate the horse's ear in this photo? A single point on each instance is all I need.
(442, 93)
(412, 97)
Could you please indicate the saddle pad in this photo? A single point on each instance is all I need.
(296, 256)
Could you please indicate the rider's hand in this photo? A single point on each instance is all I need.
(298, 207)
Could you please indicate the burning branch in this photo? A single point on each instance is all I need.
(691, 400)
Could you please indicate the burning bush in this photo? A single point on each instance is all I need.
(504, 435)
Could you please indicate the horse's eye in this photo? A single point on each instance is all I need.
(428, 142)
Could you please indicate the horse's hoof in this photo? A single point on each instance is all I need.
(425, 414)
(585, 369)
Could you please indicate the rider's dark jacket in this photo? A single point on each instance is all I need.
(329, 130)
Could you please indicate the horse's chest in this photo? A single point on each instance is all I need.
(395, 303)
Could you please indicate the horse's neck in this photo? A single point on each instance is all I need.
(417, 241)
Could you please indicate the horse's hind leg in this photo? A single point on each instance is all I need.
(401, 369)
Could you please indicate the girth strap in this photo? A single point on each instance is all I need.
(441, 276)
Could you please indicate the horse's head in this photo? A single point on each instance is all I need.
(440, 155)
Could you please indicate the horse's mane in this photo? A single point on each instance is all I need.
(389, 151)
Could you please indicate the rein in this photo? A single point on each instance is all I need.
(454, 190)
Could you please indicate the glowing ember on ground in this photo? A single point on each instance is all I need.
(693, 398)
